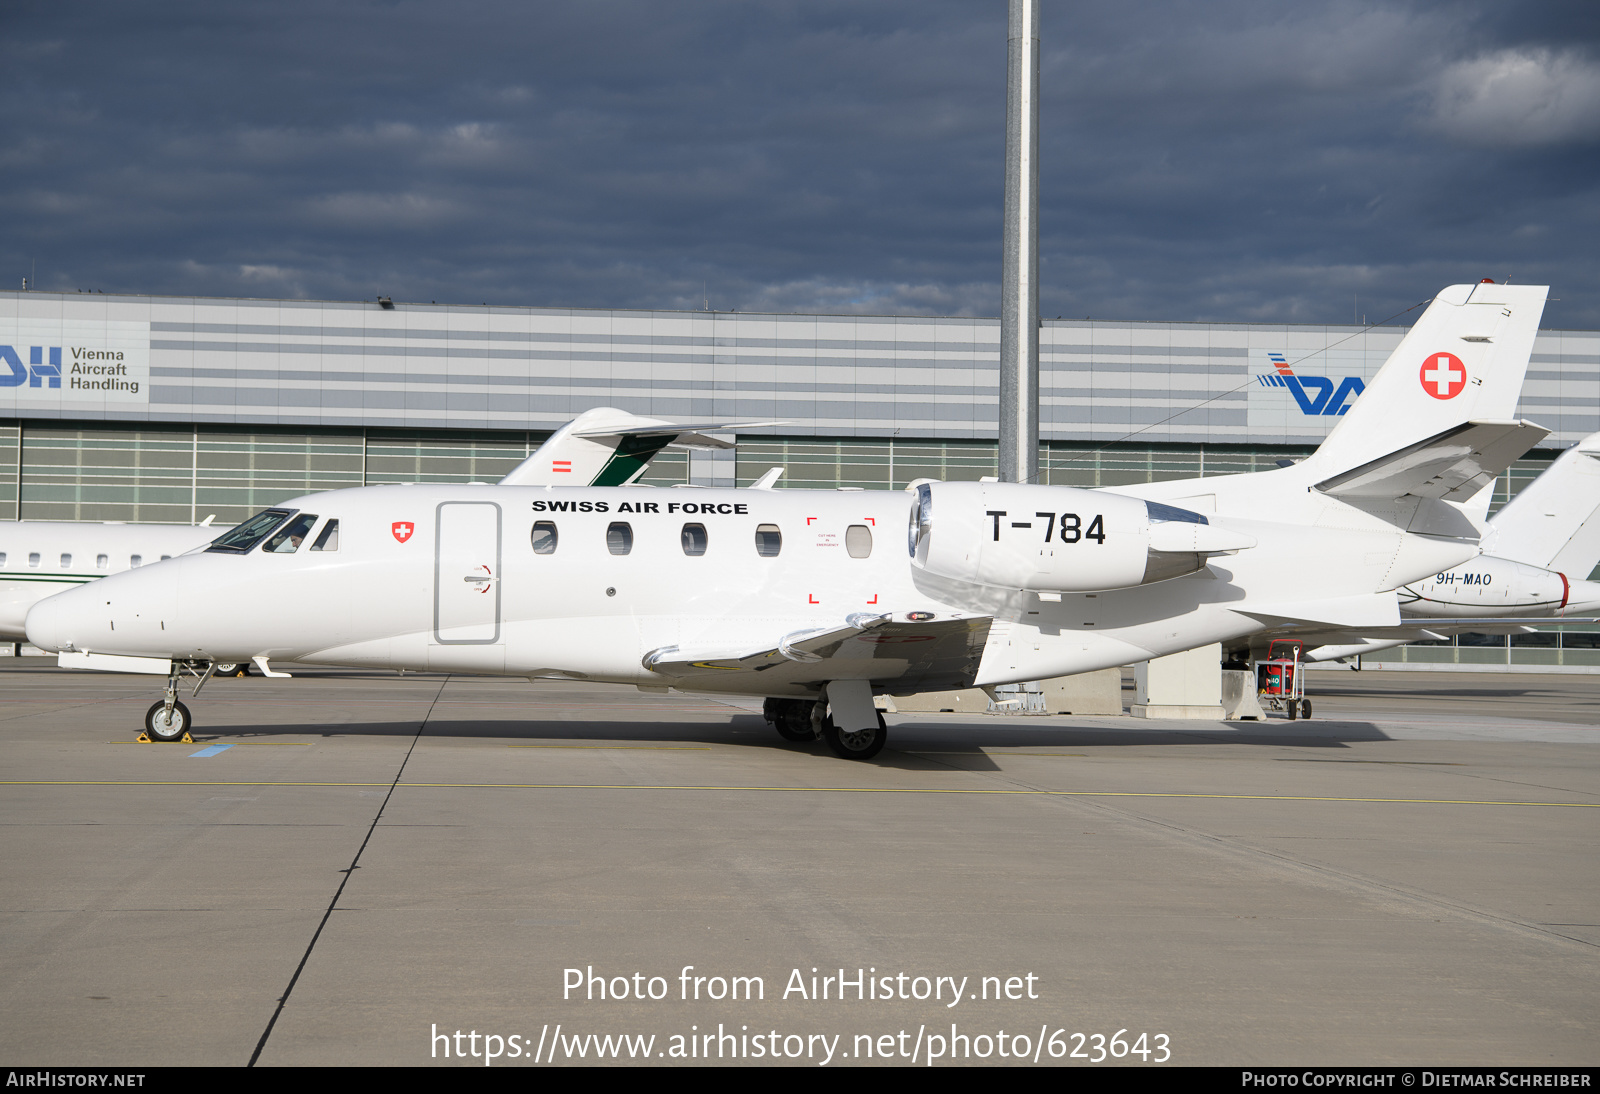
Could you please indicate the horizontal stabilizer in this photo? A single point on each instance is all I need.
(1453, 465)
(866, 647)
(610, 447)
(686, 436)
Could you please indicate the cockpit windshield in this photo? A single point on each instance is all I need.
(236, 541)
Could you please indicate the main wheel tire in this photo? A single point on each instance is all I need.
(161, 727)
(1305, 708)
(860, 745)
(232, 668)
(794, 724)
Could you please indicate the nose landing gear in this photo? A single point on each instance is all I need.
(169, 720)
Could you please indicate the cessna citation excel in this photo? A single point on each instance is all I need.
(818, 600)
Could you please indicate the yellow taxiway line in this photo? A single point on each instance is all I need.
(807, 790)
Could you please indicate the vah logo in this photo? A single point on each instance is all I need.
(1315, 394)
(88, 370)
(37, 373)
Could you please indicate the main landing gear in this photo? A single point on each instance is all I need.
(169, 720)
(799, 720)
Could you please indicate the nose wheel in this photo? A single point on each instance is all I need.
(162, 724)
(169, 720)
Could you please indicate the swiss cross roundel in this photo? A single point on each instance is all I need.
(1443, 375)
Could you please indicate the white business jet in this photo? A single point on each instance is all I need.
(38, 558)
(805, 597)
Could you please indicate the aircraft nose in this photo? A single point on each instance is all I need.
(66, 620)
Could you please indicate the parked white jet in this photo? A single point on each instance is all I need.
(804, 596)
(602, 447)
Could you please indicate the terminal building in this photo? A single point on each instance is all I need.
(171, 409)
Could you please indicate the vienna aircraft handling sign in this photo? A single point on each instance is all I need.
(74, 364)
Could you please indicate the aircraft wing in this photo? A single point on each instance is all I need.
(1453, 465)
(889, 649)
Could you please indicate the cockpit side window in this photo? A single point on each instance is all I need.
(236, 541)
(329, 539)
(288, 541)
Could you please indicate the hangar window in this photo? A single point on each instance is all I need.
(33, 559)
(619, 537)
(694, 539)
(329, 539)
(544, 537)
(288, 541)
(769, 540)
(858, 540)
(102, 561)
(135, 560)
(66, 560)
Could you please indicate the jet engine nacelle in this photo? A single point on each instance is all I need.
(1057, 538)
(1486, 584)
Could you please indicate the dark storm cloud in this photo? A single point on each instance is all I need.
(1200, 161)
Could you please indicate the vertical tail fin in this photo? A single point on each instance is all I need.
(1554, 522)
(1464, 360)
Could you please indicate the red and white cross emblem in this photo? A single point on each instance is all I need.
(1443, 375)
(402, 530)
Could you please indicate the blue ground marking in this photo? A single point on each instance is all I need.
(212, 751)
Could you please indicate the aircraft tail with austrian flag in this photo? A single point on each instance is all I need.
(1463, 362)
(609, 447)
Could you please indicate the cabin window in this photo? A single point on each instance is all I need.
(33, 559)
(769, 540)
(858, 540)
(329, 539)
(135, 560)
(545, 537)
(2, 558)
(165, 557)
(66, 560)
(619, 537)
(694, 539)
(288, 541)
(102, 561)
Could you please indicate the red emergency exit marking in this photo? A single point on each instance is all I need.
(809, 520)
(870, 521)
(812, 599)
(874, 599)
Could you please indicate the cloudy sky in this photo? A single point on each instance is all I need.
(1225, 160)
